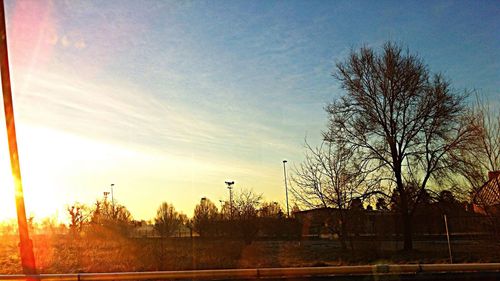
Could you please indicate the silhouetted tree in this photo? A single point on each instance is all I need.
(246, 207)
(205, 216)
(401, 118)
(270, 210)
(168, 220)
(225, 211)
(78, 215)
(448, 204)
(483, 155)
(332, 175)
(110, 217)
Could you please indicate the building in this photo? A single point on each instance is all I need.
(486, 200)
(326, 222)
(427, 220)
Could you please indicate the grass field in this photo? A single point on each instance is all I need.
(61, 254)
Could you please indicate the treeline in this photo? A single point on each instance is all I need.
(246, 217)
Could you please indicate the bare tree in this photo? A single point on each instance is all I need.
(79, 215)
(483, 154)
(246, 208)
(105, 216)
(246, 204)
(401, 118)
(167, 220)
(225, 211)
(332, 175)
(475, 162)
(205, 215)
(270, 210)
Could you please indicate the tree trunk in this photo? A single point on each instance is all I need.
(343, 236)
(407, 231)
(406, 216)
(343, 231)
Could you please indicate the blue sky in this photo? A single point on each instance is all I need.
(167, 99)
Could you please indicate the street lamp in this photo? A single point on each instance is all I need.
(286, 188)
(230, 187)
(112, 200)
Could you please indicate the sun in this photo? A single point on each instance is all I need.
(59, 168)
(39, 176)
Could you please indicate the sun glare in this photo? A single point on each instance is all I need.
(47, 159)
(39, 196)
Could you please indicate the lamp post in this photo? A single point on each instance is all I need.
(286, 188)
(112, 200)
(230, 187)
(221, 208)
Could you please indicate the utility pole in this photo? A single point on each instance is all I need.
(25, 245)
(286, 189)
(230, 187)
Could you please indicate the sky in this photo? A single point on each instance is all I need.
(168, 99)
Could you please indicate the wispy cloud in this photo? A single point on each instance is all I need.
(113, 113)
(214, 90)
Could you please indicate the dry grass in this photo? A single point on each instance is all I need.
(61, 254)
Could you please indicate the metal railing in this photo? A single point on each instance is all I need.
(258, 273)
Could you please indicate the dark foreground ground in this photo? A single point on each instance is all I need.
(62, 254)
(488, 276)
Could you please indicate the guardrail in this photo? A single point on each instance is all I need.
(269, 273)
